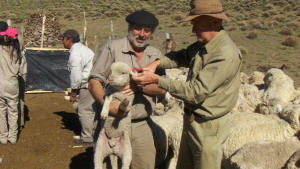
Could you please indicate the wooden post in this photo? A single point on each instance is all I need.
(168, 40)
(43, 29)
(112, 29)
(96, 43)
(84, 30)
(8, 23)
(22, 36)
(109, 38)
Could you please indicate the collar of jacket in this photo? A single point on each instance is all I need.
(213, 44)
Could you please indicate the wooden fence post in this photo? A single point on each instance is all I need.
(43, 29)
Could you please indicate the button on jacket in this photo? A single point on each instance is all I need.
(120, 51)
(213, 81)
(80, 64)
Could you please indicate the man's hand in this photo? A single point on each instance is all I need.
(116, 112)
(130, 88)
(152, 66)
(145, 78)
(74, 99)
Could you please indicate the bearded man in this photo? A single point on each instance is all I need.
(134, 51)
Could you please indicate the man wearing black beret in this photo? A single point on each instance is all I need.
(135, 51)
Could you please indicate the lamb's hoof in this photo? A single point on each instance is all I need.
(103, 117)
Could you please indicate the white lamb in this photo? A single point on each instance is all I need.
(279, 91)
(291, 114)
(264, 154)
(256, 129)
(114, 137)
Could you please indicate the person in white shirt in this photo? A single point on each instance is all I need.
(80, 65)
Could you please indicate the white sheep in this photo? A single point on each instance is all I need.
(255, 129)
(256, 78)
(114, 137)
(164, 124)
(264, 154)
(291, 114)
(293, 162)
(244, 78)
(159, 109)
(174, 145)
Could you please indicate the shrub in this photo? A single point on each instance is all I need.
(68, 15)
(241, 23)
(160, 27)
(290, 41)
(279, 18)
(265, 14)
(172, 26)
(293, 25)
(243, 50)
(145, 7)
(129, 9)
(229, 13)
(160, 12)
(273, 24)
(185, 24)
(252, 35)
(239, 17)
(256, 25)
(160, 6)
(268, 7)
(179, 17)
(237, 8)
(287, 31)
(287, 8)
(273, 12)
(244, 28)
(254, 14)
(231, 28)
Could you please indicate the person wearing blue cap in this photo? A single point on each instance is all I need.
(135, 51)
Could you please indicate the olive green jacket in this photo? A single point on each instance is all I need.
(211, 90)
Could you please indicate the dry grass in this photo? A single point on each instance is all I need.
(244, 28)
(231, 28)
(179, 17)
(256, 25)
(252, 35)
(185, 24)
(279, 18)
(287, 31)
(273, 24)
(291, 41)
(243, 50)
(293, 25)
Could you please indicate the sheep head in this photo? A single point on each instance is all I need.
(119, 75)
(272, 104)
(291, 114)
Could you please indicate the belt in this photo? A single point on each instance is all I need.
(138, 120)
(189, 112)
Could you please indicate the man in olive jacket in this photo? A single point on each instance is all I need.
(211, 89)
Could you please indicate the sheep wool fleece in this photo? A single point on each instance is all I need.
(143, 149)
(210, 92)
(9, 94)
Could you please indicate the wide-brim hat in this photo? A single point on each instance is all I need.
(206, 7)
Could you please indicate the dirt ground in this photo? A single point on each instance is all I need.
(46, 141)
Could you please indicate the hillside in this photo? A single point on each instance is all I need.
(266, 30)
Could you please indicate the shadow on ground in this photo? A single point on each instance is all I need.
(83, 160)
(70, 121)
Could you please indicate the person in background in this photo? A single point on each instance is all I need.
(80, 65)
(211, 89)
(135, 51)
(13, 65)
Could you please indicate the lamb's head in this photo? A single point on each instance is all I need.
(274, 75)
(272, 104)
(291, 114)
(256, 76)
(119, 75)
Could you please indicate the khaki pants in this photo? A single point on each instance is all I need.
(9, 100)
(201, 141)
(86, 114)
(143, 149)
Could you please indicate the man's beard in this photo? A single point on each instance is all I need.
(135, 44)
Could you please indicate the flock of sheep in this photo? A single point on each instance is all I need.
(264, 125)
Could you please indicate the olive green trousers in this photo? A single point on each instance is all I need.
(201, 141)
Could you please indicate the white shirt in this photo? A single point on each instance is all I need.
(80, 65)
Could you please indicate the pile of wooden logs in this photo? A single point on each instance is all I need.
(33, 30)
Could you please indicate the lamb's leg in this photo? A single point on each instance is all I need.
(105, 109)
(114, 161)
(124, 105)
(102, 150)
(127, 151)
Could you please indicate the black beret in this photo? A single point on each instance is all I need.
(142, 18)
